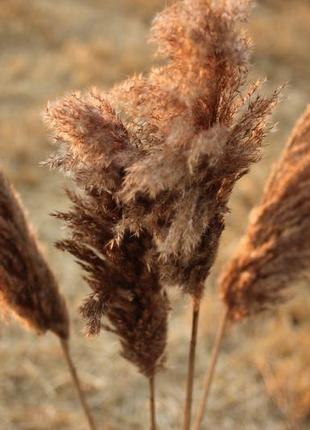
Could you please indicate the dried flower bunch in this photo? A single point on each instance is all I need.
(27, 286)
(275, 252)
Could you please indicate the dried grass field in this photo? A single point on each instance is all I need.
(263, 380)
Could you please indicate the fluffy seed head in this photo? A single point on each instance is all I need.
(127, 297)
(27, 286)
(200, 125)
(275, 252)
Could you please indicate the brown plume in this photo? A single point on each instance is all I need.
(157, 157)
(27, 286)
(198, 127)
(126, 291)
(275, 252)
(156, 160)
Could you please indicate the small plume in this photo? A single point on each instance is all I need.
(27, 286)
(86, 128)
(275, 252)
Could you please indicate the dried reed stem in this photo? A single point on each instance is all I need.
(153, 425)
(77, 383)
(191, 366)
(211, 369)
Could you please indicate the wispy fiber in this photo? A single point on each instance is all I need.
(275, 252)
(27, 286)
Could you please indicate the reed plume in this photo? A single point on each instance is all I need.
(275, 252)
(200, 126)
(127, 296)
(156, 159)
(28, 288)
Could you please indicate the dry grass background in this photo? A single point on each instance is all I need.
(49, 47)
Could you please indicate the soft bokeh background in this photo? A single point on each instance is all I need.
(50, 47)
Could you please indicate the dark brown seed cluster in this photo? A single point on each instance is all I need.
(275, 252)
(27, 286)
(127, 297)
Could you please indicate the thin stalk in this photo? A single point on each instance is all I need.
(191, 366)
(77, 384)
(211, 370)
(153, 425)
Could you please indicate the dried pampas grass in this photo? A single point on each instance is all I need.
(28, 288)
(199, 126)
(127, 296)
(156, 159)
(275, 252)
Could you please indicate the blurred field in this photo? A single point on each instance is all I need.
(263, 380)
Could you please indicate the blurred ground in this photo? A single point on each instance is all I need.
(50, 47)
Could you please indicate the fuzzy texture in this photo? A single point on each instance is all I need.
(199, 127)
(27, 286)
(275, 252)
(127, 297)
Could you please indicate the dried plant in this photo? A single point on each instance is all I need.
(275, 251)
(156, 159)
(126, 290)
(28, 288)
(199, 126)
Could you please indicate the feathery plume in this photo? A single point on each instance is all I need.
(157, 158)
(27, 286)
(275, 252)
(125, 287)
(200, 126)
(127, 297)
(199, 130)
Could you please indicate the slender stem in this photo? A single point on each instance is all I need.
(153, 425)
(211, 370)
(191, 366)
(77, 384)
